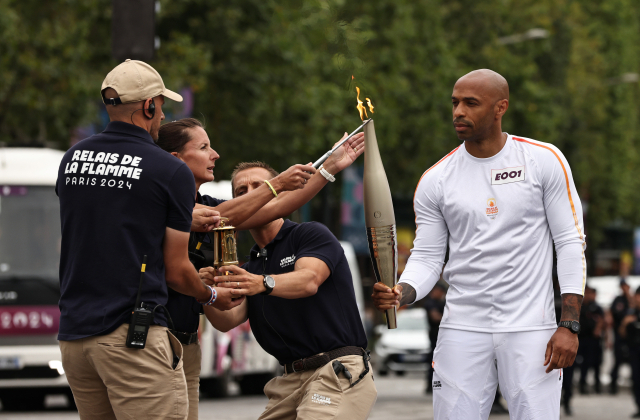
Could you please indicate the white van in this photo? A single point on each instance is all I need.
(29, 286)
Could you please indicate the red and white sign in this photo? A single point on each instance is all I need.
(29, 320)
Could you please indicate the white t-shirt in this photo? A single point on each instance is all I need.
(499, 216)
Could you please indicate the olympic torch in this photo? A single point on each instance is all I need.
(379, 218)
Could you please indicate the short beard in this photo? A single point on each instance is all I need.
(479, 134)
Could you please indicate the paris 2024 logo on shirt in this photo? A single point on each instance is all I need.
(492, 208)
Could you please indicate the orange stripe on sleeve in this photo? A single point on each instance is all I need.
(573, 208)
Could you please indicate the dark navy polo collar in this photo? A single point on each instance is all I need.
(127, 129)
(284, 230)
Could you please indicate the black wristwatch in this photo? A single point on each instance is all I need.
(573, 326)
(269, 284)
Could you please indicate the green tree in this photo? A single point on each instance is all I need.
(50, 56)
(278, 87)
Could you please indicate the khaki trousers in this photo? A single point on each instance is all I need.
(320, 394)
(110, 381)
(192, 358)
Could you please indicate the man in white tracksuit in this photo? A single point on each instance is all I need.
(498, 201)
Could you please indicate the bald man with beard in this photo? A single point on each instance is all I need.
(500, 203)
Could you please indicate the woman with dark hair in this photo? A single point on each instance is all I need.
(187, 140)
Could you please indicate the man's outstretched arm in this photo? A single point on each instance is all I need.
(242, 208)
(288, 202)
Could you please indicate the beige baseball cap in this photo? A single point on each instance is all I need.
(136, 81)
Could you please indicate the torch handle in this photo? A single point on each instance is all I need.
(324, 157)
(392, 318)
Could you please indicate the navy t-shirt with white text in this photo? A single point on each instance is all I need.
(292, 329)
(118, 193)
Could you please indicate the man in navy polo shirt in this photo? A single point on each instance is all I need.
(302, 309)
(122, 197)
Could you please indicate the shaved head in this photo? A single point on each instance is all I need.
(487, 82)
(480, 99)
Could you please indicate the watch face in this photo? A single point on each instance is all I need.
(575, 326)
(271, 283)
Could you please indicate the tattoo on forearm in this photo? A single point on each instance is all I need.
(408, 294)
(571, 304)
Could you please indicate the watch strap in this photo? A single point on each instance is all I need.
(568, 325)
(268, 289)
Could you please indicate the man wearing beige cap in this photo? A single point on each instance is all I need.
(124, 200)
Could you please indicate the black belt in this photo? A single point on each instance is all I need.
(185, 338)
(319, 360)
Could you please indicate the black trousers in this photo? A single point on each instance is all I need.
(591, 351)
(618, 359)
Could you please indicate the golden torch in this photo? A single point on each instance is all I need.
(379, 217)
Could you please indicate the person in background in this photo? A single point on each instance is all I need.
(590, 349)
(434, 304)
(619, 309)
(630, 331)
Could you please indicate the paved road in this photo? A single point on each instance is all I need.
(399, 398)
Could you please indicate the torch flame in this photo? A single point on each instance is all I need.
(361, 109)
(370, 105)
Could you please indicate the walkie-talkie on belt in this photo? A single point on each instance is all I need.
(141, 318)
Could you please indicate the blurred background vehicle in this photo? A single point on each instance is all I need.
(406, 348)
(29, 287)
(608, 287)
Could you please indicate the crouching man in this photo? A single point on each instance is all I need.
(302, 309)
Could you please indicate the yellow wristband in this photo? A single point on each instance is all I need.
(271, 188)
